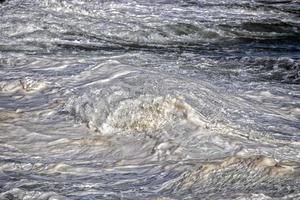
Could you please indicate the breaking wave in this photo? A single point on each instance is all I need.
(144, 114)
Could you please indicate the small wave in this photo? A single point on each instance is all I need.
(267, 164)
(282, 69)
(17, 193)
(25, 85)
(7, 116)
(239, 175)
(263, 68)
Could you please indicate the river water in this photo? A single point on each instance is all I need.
(149, 99)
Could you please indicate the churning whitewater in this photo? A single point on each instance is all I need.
(137, 99)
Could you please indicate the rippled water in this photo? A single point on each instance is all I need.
(182, 99)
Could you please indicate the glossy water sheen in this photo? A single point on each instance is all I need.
(158, 99)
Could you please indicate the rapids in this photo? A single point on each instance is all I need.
(160, 99)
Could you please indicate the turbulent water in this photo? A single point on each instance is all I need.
(150, 99)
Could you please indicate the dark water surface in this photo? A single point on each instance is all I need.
(157, 99)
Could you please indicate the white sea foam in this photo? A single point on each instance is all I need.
(25, 85)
